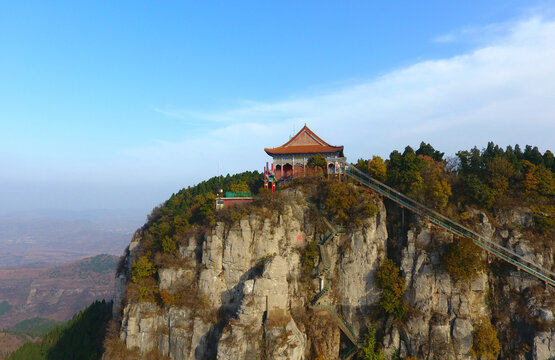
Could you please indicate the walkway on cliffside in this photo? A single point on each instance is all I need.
(490, 246)
(322, 272)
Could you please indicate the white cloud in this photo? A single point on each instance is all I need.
(446, 38)
(503, 91)
(478, 34)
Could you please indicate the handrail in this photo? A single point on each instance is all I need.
(328, 236)
(352, 351)
(326, 264)
(320, 294)
(456, 228)
(347, 330)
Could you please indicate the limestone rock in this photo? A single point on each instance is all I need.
(357, 270)
(189, 251)
(544, 346)
(324, 334)
(179, 338)
(521, 217)
(173, 277)
(439, 342)
(391, 342)
(265, 295)
(140, 326)
(546, 314)
(285, 342)
(485, 227)
(121, 276)
(462, 334)
(248, 272)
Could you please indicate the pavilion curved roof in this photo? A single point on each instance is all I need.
(305, 142)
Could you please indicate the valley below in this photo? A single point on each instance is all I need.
(55, 293)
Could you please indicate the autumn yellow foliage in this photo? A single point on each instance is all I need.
(462, 260)
(392, 286)
(485, 342)
(377, 168)
(142, 269)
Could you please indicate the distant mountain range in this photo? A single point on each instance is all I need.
(51, 237)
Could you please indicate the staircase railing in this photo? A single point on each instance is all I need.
(347, 330)
(326, 264)
(322, 292)
(492, 247)
(352, 351)
(328, 236)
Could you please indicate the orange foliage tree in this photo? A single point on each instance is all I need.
(538, 179)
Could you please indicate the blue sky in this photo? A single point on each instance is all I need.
(116, 105)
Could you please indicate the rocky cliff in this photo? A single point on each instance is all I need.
(243, 289)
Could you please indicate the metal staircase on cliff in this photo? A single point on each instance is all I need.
(322, 272)
(490, 246)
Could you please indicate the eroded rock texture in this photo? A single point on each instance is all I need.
(257, 299)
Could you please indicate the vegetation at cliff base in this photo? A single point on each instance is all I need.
(369, 350)
(485, 343)
(79, 338)
(393, 287)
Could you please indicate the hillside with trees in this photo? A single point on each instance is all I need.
(489, 179)
(79, 338)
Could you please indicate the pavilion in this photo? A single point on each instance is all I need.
(290, 159)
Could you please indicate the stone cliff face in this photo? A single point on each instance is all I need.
(256, 296)
(444, 311)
